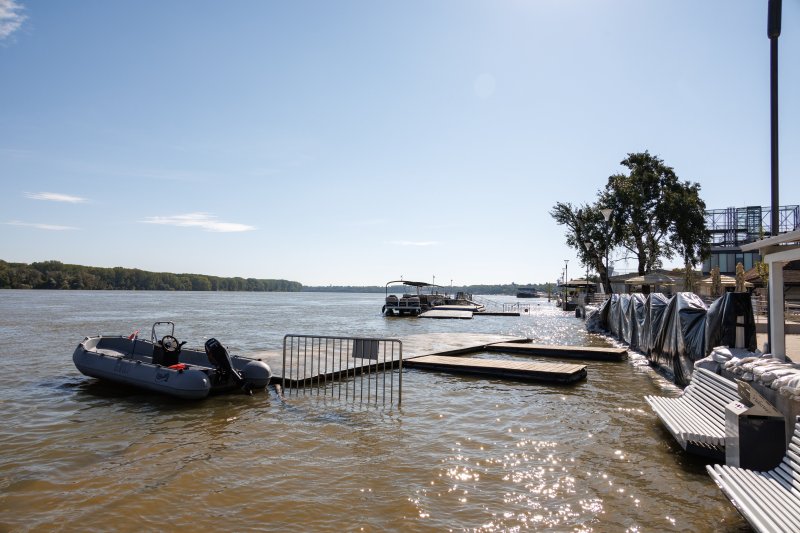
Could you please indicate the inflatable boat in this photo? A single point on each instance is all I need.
(164, 365)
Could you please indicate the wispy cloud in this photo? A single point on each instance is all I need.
(414, 243)
(11, 18)
(199, 220)
(49, 227)
(54, 196)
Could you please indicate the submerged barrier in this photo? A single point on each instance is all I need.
(674, 332)
(354, 369)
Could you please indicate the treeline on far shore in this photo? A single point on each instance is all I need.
(510, 288)
(57, 275)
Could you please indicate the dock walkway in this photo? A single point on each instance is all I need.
(566, 352)
(439, 348)
(520, 370)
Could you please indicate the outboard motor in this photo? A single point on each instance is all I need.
(218, 356)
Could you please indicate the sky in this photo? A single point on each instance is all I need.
(357, 142)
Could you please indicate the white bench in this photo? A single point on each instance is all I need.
(697, 418)
(770, 500)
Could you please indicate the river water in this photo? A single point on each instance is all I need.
(460, 454)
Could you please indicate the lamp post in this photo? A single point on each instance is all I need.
(773, 32)
(565, 283)
(607, 216)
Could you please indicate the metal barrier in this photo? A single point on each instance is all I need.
(355, 369)
(597, 298)
(494, 306)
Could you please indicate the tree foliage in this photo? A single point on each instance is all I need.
(654, 216)
(56, 275)
(588, 235)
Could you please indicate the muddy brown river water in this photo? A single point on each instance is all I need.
(460, 454)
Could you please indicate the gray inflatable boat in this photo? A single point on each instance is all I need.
(164, 365)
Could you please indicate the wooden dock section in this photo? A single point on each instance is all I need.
(446, 313)
(516, 370)
(565, 352)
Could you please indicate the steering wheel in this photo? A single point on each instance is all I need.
(171, 344)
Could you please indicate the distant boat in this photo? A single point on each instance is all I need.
(416, 304)
(528, 292)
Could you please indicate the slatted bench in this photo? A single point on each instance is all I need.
(697, 418)
(769, 500)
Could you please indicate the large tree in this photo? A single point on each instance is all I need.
(654, 215)
(588, 234)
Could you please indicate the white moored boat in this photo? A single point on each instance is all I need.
(421, 302)
(163, 365)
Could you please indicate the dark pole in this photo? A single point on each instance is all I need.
(773, 32)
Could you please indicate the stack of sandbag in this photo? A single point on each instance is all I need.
(777, 375)
(721, 355)
(742, 367)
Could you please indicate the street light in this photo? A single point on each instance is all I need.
(773, 32)
(565, 283)
(607, 215)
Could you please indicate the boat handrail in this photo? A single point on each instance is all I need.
(153, 337)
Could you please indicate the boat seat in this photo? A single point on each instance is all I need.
(163, 357)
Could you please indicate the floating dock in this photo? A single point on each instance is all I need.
(565, 352)
(494, 368)
(446, 313)
(437, 351)
(453, 311)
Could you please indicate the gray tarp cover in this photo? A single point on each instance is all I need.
(655, 306)
(625, 318)
(721, 321)
(681, 340)
(613, 316)
(604, 312)
(675, 332)
(637, 318)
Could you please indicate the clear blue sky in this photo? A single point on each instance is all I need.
(338, 142)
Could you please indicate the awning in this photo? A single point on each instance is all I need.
(725, 281)
(578, 283)
(653, 278)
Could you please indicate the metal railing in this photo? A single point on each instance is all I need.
(597, 298)
(494, 306)
(791, 310)
(355, 369)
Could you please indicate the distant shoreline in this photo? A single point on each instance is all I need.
(54, 275)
